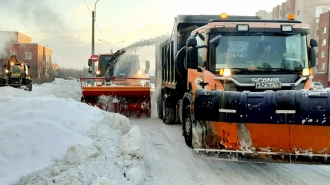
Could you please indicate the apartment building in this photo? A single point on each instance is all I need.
(314, 13)
(264, 14)
(37, 56)
(322, 69)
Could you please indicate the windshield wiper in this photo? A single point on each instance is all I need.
(285, 70)
(241, 69)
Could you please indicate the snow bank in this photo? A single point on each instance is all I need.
(47, 137)
(59, 88)
(132, 143)
(98, 163)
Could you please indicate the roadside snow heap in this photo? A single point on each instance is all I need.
(47, 137)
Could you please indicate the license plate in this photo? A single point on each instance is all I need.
(268, 85)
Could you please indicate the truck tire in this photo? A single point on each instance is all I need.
(160, 106)
(187, 126)
(30, 86)
(20, 82)
(179, 62)
(168, 111)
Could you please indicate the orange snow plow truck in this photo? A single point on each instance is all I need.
(119, 86)
(241, 87)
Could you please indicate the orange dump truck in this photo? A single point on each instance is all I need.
(119, 86)
(242, 89)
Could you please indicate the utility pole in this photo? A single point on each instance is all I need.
(93, 51)
(93, 20)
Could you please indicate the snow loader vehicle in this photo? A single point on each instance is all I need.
(121, 86)
(16, 74)
(242, 89)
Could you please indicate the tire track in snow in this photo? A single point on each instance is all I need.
(176, 133)
(176, 157)
(303, 174)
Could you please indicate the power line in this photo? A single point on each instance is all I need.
(94, 20)
(87, 7)
(99, 30)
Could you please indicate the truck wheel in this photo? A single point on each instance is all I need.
(168, 111)
(187, 127)
(30, 86)
(20, 82)
(160, 107)
(179, 61)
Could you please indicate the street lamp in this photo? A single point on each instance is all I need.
(107, 43)
(115, 43)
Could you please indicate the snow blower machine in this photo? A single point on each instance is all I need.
(119, 86)
(16, 74)
(242, 88)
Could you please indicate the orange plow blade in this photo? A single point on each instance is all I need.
(263, 142)
(282, 126)
(116, 90)
(123, 95)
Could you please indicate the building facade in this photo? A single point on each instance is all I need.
(55, 70)
(264, 14)
(38, 57)
(322, 69)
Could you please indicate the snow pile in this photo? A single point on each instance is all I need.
(59, 88)
(49, 140)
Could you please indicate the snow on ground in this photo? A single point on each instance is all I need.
(47, 137)
(59, 88)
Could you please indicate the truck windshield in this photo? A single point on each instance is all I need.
(127, 65)
(17, 69)
(260, 52)
(104, 61)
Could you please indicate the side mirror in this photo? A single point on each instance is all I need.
(311, 57)
(201, 37)
(89, 62)
(147, 64)
(146, 71)
(313, 43)
(215, 41)
(4, 66)
(191, 42)
(192, 58)
(90, 69)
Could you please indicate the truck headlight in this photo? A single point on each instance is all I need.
(242, 27)
(225, 72)
(286, 28)
(140, 72)
(6, 71)
(97, 72)
(305, 72)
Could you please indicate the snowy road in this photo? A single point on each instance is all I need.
(169, 161)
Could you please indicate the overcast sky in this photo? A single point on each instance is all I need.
(65, 25)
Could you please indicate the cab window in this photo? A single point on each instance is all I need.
(201, 51)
